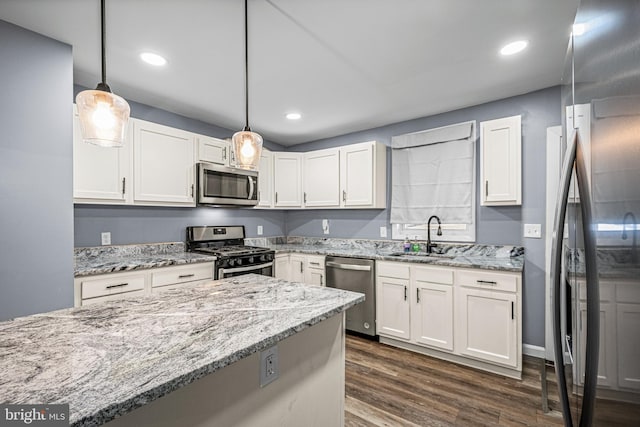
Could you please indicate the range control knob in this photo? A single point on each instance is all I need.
(263, 258)
(250, 260)
(232, 262)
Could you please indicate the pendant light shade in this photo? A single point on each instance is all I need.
(103, 115)
(247, 144)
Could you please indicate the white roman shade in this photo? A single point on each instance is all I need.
(433, 173)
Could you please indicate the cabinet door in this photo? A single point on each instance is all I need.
(283, 268)
(101, 174)
(315, 276)
(296, 263)
(265, 179)
(628, 325)
(487, 325)
(164, 165)
(322, 178)
(393, 310)
(501, 161)
(213, 150)
(432, 315)
(607, 354)
(356, 174)
(287, 179)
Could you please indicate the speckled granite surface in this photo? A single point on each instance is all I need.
(488, 257)
(108, 359)
(111, 259)
(614, 263)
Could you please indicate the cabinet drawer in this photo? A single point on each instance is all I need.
(433, 275)
(112, 297)
(393, 269)
(182, 274)
(487, 280)
(606, 291)
(315, 261)
(92, 288)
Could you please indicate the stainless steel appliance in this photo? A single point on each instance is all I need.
(595, 269)
(355, 274)
(227, 243)
(221, 185)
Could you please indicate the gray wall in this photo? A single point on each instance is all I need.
(36, 226)
(133, 224)
(495, 225)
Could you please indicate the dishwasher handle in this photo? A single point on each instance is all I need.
(348, 266)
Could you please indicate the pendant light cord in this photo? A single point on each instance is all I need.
(246, 66)
(104, 62)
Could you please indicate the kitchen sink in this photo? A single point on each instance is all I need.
(421, 254)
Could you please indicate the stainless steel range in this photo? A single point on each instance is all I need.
(227, 243)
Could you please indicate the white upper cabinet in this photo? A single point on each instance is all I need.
(164, 167)
(322, 178)
(213, 150)
(287, 180)
(363, 175)
(101, 174)
(265, 179)
(501, 161)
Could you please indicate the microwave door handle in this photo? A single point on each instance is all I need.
(251, 187)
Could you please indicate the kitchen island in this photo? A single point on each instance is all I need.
(189, 356)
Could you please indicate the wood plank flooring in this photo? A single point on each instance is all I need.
(386, 386)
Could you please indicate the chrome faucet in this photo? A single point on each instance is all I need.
(430, 245)
(634, 247)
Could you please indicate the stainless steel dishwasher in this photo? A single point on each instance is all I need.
(355, 274)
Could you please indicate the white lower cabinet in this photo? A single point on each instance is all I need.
(301, 268)
(432, 307)
(450, 313)
(393, 311)
(619, 341)
(114, 286)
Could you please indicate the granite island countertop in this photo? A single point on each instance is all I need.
(488, 257)
(108, 359)
(111, 259)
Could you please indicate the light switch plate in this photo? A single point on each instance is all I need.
(383, 231)
(105, 237)
(260, 230)
(533, 231)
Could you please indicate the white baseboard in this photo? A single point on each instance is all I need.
(533, 350)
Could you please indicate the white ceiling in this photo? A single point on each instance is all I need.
(346, 65)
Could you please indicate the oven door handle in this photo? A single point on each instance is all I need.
(242, 269)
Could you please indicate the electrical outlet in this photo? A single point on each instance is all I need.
(105, 237)
(383, 231)
(260, 230)
(533, 231)
(325, 226)
(269, 370)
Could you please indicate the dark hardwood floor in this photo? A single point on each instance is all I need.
(387, 386)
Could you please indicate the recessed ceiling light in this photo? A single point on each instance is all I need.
(153, 59)
(293, 116)
(579, 29)
(514, 47)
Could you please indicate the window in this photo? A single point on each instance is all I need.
(433, 173)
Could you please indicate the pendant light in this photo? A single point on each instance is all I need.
(247, 144)
(103, 115)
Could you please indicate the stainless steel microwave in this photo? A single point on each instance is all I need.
(222, 185)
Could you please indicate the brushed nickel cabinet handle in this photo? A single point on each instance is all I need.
(418, 295)
(344, 195)
(276, 197)
(305, 197)
(123, 181)
(224, 153)
(486, 188)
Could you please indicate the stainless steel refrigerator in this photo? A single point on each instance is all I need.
(595, 269)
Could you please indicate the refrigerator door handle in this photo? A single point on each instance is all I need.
(593, 289)
(556, 279)
(575, 155)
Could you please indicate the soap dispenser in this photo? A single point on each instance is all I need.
(407, 245)
(415, 246)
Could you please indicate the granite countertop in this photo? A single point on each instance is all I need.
(469, 256)
(111, 259)
(108, 359)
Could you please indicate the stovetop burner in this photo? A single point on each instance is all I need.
(225, 242)
(231, 250)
